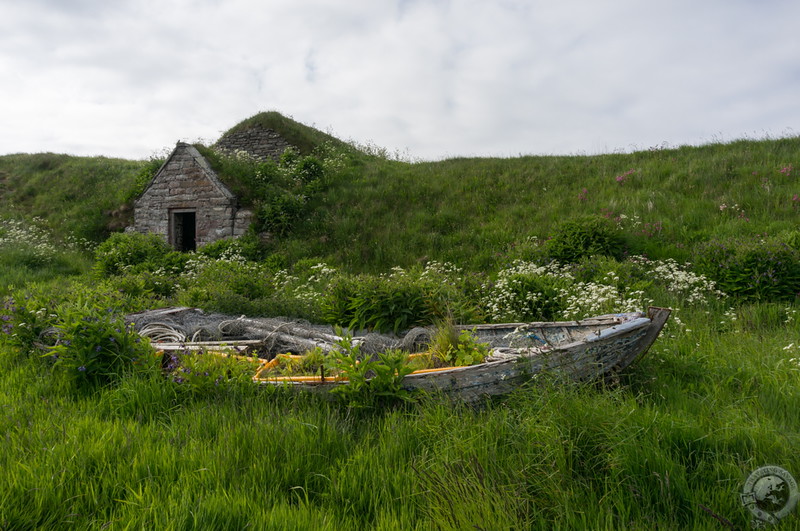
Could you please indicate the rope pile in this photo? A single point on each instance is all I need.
(273, 334)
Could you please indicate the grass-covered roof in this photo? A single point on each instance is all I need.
(306, 139)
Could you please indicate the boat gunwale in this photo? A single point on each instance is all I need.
(316, 380)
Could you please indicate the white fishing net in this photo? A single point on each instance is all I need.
(268, 335)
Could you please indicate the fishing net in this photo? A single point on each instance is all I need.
(267, 335)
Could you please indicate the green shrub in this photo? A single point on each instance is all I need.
(278, 213)
(402, 299)
(97, 348)
(278, 193)
(526, 292)
(143, 289)
(236, 287)
(274, 262)
(25, 315)
(337, 301)
(585, 236)
(131, 251)
(206, 374)
(30, 316)
(630, 274)
(457, 349)
(752, 269)
(289, 157)
(380, 303)
(371, 382)
(309, 170)
(80, 326)
(250, 179)
(143, 178)
(246, 247)
(792, 239)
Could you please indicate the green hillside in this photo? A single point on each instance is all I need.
(79, 196)
(374, 213)
(482, 211)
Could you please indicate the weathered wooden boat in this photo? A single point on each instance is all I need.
(591, 349)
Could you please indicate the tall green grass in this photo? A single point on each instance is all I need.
(480, 212)
(29, 254)
(679, 436)
(79, 196)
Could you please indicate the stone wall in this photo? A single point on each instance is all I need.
(187, 184)
(258, 142)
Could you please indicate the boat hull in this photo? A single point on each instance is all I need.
(592, 349)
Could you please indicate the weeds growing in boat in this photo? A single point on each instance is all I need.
(370, 382)
(451, 347)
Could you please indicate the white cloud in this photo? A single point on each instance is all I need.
(441, 78)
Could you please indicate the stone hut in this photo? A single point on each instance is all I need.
(187, 204)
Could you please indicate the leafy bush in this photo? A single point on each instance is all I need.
(31, 316)
(278, 213)
(585, 236)
(25, 315)
(278, 192)
(526, 292)
(338, 298)
(247, 247)
(234, 285)
(143, 177)
(402, 299)
(792, 239)
(752, 269)
(309, 170)
(371, 382)
(228, 286)
(144, 288)
(206, 374)
(457, 349)
(630, 274)
(96, 347)
(131, 251)
(380, 303)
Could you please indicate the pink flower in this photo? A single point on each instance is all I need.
(621, 178)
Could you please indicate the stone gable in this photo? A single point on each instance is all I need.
(187, 204)
(258, 142)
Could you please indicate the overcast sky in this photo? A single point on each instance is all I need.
(430, 78)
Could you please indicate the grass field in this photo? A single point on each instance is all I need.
(669, 447)
(676, 440)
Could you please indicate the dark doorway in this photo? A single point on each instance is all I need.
(184, 231)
